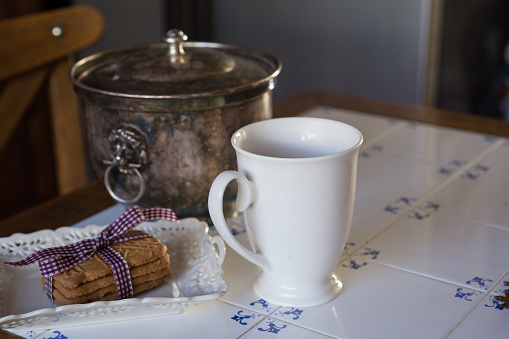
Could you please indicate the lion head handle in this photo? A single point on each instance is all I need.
(128, 147)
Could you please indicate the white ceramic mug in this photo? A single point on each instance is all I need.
(296, 187)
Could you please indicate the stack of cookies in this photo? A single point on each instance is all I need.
(92, 280)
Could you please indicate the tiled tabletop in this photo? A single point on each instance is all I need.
(427, 252)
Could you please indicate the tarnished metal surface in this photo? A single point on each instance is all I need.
(186, 150)
(205, 70)
(158, 118)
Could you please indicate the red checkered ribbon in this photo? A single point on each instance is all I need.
(59, 259)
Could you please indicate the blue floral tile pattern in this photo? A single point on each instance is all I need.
(430, 232)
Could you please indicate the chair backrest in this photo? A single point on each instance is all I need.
(36, 53)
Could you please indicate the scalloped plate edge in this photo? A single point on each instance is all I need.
(117, 310)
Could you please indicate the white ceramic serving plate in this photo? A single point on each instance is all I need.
(195, 261)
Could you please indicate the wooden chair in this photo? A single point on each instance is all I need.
(36, 53)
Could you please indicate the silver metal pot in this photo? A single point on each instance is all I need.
(158, 118)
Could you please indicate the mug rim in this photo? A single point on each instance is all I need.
(245, 152)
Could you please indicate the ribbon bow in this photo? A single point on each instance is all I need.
(59, 259)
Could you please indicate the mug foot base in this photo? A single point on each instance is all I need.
(297, 295)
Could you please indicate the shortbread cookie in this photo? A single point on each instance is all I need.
(140, 284)
(93, 280)
(97, 288)
(136, 252)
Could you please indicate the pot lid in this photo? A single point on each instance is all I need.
(175, 69)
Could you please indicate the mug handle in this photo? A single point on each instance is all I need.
(247, 194)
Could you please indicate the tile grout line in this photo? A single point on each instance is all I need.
(272, 315)
(483, 295)
(398, 125)
(401, 124)
(421, 200)
(466, 315)
(248, 309)
(263, 316)
(409, 271)
(428, 194)
(501, 279)
(461, 171)
(250, 328)
(498, 144)
(487, 293)
(437, 188)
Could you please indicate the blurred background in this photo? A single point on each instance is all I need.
(449, 54)
(445, 53)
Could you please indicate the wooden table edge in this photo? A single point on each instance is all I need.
(307, 100)
(61, 211)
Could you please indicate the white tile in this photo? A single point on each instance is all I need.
(448, 254)
(446, 248)
(501, 286)
(497, 161)
(270, 327)
(371, 126)
(34, 334)
(485, 321)
(382, 302)
(209, 320)
(370, 218)
(240, 274)
(436, 144)
(389, 177)
(479, 196)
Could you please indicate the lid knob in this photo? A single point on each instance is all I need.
(175, 39)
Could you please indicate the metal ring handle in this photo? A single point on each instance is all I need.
(115, 196)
